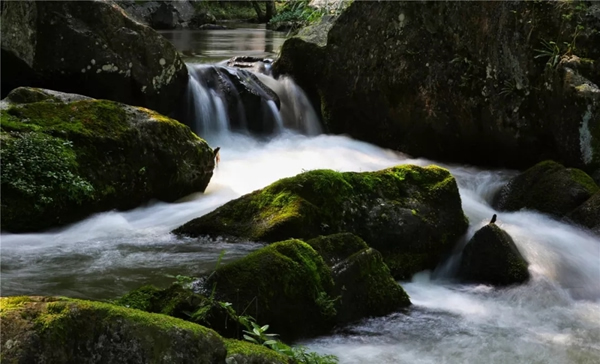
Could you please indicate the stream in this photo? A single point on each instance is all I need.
(554, 318)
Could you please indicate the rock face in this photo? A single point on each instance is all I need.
(363, 284)
(65, 156)
(90, 48)
(59, 330)
(412, 215)
(62, 330)
(488, 84)
(492, 257)
(547, 187)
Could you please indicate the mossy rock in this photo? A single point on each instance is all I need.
(65, 157)
(93, 49)
(61, 330)
(337, 247)
(284, 285)
(492, 257)
(183, 302)
(242, 352)
(364, 285)
(406, 211)
(547, 187)
(587, 214)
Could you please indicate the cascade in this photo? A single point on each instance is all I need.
(222, 99)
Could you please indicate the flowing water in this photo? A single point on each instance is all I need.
(554, 318)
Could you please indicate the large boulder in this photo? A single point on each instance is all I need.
(363, 284)
(491, 257)
(587, 214)
(496, 83)
(66, 156)
(91, 48)
(411, 214)
(547, 187)
(60, 330)
(284, 285)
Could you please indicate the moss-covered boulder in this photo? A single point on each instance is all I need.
(67, 156)
(587, 214)
(363, 284)
(547, 187)
(242, 352)
(90, 48)
(60, 330)
(498, 83)
(411, 214)
(284, 285)
(492, 257)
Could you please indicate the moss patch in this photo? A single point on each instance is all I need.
(250, 353)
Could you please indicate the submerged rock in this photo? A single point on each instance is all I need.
(492, 84)
(492, 257)
(91, 48)
(61, 330)
(66, 156)
(547, 187)
(412, 215)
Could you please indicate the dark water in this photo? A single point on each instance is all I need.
(209, 46)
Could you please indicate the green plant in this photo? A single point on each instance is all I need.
(301, 355)
(298, 11)
(509, 88)
(551, 50)
(326, 304)
(44, 168)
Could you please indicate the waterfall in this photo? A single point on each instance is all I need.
(223, 99)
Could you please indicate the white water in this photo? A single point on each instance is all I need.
(555, 318)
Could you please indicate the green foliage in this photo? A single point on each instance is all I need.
(43, 168)
(550, 50)
(326, 304)
(298, 12)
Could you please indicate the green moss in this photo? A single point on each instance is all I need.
(11, 303)
(253, 353)
(337, 247)
(278, 285)
(142, 298)
(584, 180)
(87, 117)
(404, 265)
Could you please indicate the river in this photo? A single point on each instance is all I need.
(554, 318)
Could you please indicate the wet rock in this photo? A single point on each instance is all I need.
(212, 27)
(587, 214)
(62, 330)
(165, 17)
(458, 81)
(491, 257)
(66, 156)
(363, 284)
(412, 215)
(285, 285)
(92, 49)
(547, 187)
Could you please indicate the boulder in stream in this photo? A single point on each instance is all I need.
(63, 330)
(547, 187)
(411, 214)
(587, 214)
(91, 48)
(363, 284)
(498, 83)
(65, 156)
(491, 257)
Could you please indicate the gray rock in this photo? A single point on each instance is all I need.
(90, 48)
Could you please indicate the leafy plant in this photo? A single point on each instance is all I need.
(42, 167)
(551, 50)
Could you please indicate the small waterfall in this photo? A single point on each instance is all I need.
(223, 99)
